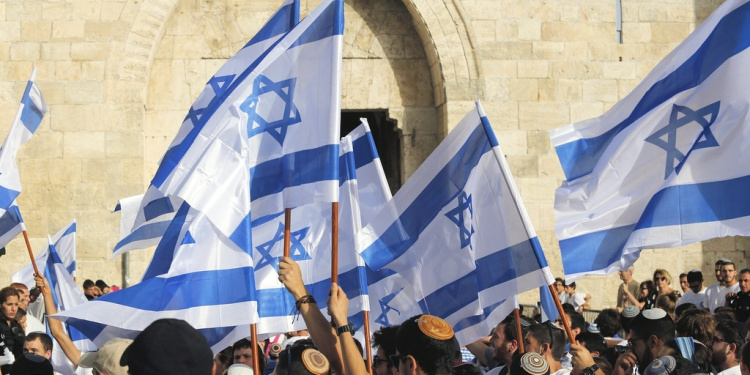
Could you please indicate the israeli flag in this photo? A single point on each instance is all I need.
(458, 233)
(11, 224)
(28, 117)
(271, 138)
(194, 289)
(666, 166)
(66, 295)
(548, 305)
(155, 215)
(64, 242)
(310, 242)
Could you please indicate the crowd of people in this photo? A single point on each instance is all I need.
(653, 330)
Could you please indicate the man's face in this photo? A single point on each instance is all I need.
(381, 364)
(93, 291)
(684, 284)
(569, 289)
(35, 346)
(625, 275)
(23, 299)
(719, 349)
(531, 344)
(244, 356)
(745, 282)
(559, 287)
(696, 286)
(503, 349)
(639, 347)
(728, 273)
(717, 273)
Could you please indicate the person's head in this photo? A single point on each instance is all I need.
(21, 318)
(626, 275)
(726, 345)
(546, 339)
(570, 288)
(425, 344)
(31, 364)
(646, 289)
(23, 295)
(301, 358)
(102, 286)
(682, 308)
(667, 302)
(627, 315)
(695, 280)
(9, 302)
(696, 323)
(594, 342)
(608, 322)
(505, 341)
(684, 282)
(745, 363)
(106, 360)
(576, 320)
(384, 340)
(34, 293)
(223, 360)
(242, 352)
(717, 269)
(648, 333)
(744, 280)
(530, 363)
(728, 272)
(688, 348)
(186, 348)
(662, 279)
(559, 285)
(38, 343)
(91, 290)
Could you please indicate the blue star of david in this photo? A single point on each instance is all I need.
(194, 115)
(385, 309)
(283, 90)
(675, 158)
(220, 84)
(296, 249)
(456, 215)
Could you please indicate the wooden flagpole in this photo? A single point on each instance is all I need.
(287, 230)
(254, 340)
(334, 242)
(519, 331)
(563, 317)
(31, 253)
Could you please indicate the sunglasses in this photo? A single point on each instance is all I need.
(396, 359)
(661, 278)
(377, 361)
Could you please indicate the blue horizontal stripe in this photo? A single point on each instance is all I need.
(203, 288)
(476, 319)
(698, 203)
(279, 302)
(157, 207)
(93, 329)
(329, 23)
(491, 270)
(364, 150)
(144, 232)
(347, 169)
(594, 251)
(294, 169)
(215, 335)
(10, 219)
(31, 115)
(440, 191)
(7, 196)
(730, 37)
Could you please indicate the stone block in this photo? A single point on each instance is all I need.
(560, 90)
(132, 171)
(502, 114)
(507, 50)
(538, 142)
(499, 68)
(497, 89)
(548, 50)
(124, 145)
(67, 70)
(570, 12)
(619, 70)
(36, 31)
(600, 51)
(4, 51)
(84, 92)
(600, 90)
(537, 189)
(30, 51)
(23, 11)
(669, 32)
(68, 30)
(57, 11)
(34, 171)
(543, 115)
(512, 9)
(562, 69)
(89, 51)
(524, 89)
(533, 69)
(393, 46)
(529, 30)
(85, 145)
(100, 170)
(523, 166)
(65, 171)
(111, 11)
(549, 165)
(170, 91)
(639, 32)
(485, 30)
(11, 31)
(654, 12)
(626, 86)
(43, 145)
(585, 110)
(506, 30)
(56, 51)
(543, 10)
(86, 11)
(92, 70)
(513, 142)
(98, 31)
(598, 11)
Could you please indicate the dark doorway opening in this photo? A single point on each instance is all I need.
(387, 140)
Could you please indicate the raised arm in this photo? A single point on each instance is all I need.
(55, 326)
(321, 332)
(338, 306)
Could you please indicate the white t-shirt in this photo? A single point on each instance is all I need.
(697, 299)
(577, 300)
(715, 298)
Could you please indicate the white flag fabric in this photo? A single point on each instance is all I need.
(310, 243)
(271, 137)
(195, 289)
(28, 117)
(65, 244)
(458, 233)
(11, 224)
(156, 213)
(66, 295)
(667, 165)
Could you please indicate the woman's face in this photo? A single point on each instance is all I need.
(644, 290)
(22, 322)
(661, 281)
(9, 308)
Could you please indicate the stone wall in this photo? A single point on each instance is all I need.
(119, 76)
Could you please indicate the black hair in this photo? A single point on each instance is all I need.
(551, 334)
(245, 343)
(734, 333)
(608, 322)
(385, 338)
(662, 328)
(88, 283)
(290, 359)
(432, 355)
(576, 320)
(101, 284)
(42, 337)
(593, 341)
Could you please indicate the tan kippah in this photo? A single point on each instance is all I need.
(434, 327)
(315, 362)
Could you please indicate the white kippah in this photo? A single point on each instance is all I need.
(654, 314)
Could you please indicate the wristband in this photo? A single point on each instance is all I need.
(345, 328)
